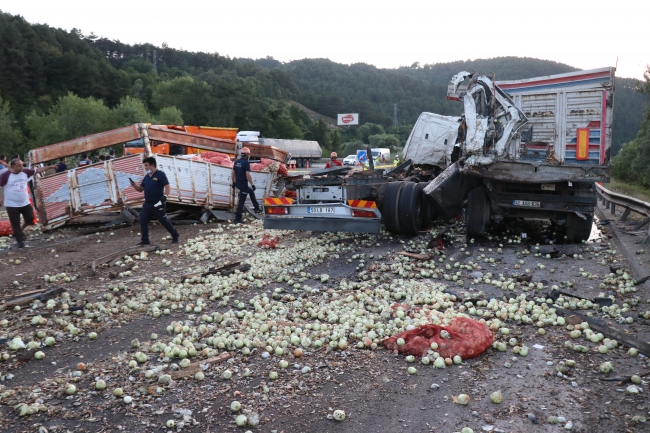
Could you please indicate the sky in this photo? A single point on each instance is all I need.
(583, 34)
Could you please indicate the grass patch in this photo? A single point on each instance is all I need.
(635, 191)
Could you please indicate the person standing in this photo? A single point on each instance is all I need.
(3, 162)
(15, 182)
(111, 154)
(61, 166)
(84, 160)
(333, 161)
(241, 177)
(156, 188)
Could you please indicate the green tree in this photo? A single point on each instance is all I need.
(284, 127)
(193, 97)
(319, 131)
(11, 138)
(129, 111)
(384, 140)
(337, 142)
(632, 164)
(169, 116)
(70, 118)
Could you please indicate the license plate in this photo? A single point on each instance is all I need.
(320, 210)
(526, 203)
(548, 187)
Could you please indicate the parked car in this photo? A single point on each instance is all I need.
(351, 160)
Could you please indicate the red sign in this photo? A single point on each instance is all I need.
(347, 118)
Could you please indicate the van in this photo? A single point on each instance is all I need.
(381, 152)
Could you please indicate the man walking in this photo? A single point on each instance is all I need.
(156, 188)
(15, 182)
(241, 177)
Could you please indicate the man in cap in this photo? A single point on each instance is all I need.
(241, 177)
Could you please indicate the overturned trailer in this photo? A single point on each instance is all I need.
(79, 193)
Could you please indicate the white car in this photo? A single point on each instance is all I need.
(351, 160)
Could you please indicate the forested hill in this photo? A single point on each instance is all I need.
(57, 85)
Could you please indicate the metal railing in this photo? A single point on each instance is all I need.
(611, 199)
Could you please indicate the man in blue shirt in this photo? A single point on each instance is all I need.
(156, 188)
(241, 177)
(61, 166)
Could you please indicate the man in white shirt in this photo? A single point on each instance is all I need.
(15, 183)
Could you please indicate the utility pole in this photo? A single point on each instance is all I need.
(395, 115)
(155, 65)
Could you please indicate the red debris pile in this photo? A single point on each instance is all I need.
(5, 228)
(217, 158)
(290, 194)
(267, 241)
(467, 338)
(282, 170)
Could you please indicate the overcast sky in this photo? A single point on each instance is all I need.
(388, 34)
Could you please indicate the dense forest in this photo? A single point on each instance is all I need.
(56, 85)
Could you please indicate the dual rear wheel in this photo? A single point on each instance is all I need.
(405, 210)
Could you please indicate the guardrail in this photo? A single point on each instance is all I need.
(611, 199)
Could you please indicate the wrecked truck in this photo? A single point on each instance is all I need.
(91, 194)
(529, 148)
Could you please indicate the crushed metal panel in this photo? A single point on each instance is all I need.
(221, 190)
(188, 179)
(83, 144)
(54, 197)
(263, 181)
(432, 139)
(123, 169)
(173, 136)
(92, 188)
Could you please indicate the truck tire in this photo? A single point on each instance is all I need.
(478, 211)
(577, 229)
(390, 206)
(410, 208)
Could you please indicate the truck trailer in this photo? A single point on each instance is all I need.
(529, 148)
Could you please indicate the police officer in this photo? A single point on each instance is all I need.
(156, 187)
(241, 177)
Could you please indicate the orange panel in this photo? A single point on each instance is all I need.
(582, 146)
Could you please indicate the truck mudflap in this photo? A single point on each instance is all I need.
(358, 216)
(448, 190)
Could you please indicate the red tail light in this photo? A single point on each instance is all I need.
(363, 213)
(276, 210)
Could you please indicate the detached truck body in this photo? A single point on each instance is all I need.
(522, 149)
(529, 148)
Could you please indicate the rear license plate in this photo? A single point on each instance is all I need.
(526, 203)
(320, 210)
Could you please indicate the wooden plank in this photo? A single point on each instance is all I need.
(211, 271)
(127, 251)
(195, 367)
(415, 256)
(43, 295)
(94, 230)
(599, 326)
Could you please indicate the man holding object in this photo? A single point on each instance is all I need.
(156, 188)
(15, 183)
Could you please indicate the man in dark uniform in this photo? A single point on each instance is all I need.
(156, 188)
(241, 177)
